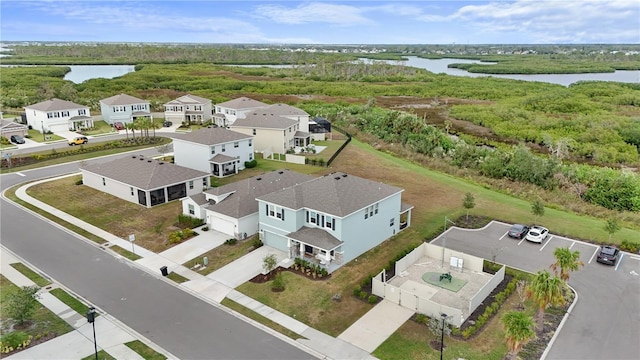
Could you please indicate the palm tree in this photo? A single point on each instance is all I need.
(518, 328)
(566, 261)
(131, 126)
(545, 291)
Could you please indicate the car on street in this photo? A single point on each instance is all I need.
(518, 231)
(167, 124)
(537, 234)
(608, 255)
(17, 139)
(79, 140)
(118, 125)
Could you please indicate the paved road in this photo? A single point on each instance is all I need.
(181, 323)
(605, 322)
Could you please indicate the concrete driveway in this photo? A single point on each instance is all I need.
(605, 322)
(245, 268)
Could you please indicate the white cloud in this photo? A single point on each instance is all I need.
(336, 14)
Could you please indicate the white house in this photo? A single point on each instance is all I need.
(227, 112)
(9, 128)
(57, 115)
(143, 180)
(188, 108)
(232, 209)
(217, 151)
(124, 108)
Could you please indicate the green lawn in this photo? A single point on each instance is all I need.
(71, 301)
(261, 319)
(100, 127)
(143, 350)
(38, 136)
(177, 277)
(32, 275)
(221, 256)
(102, 355)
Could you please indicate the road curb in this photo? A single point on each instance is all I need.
(559, 328)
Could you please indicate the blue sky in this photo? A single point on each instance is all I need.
(324, 22)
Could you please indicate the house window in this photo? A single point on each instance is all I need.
(204, 182)
(329, 222)
(192, 210)
(313, 217)
(65, 113)
(376, 209)
(275, 212)
(104, 182)
(191, 184)
(197, 107)
(250, 142)
(222, 147)
(254, 131)
(131, 189)
(236, 144)
(218, 109)
(251, 157)
(213, 150)
(82, 112)
(392, 222)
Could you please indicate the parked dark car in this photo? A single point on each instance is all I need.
(17, 139)
(167, 124)
(608, 255)
(518, 231)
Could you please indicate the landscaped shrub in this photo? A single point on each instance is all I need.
(205, 228)
(79, 182)
(180, 235)
(357, 290)
(189, 221)
(256, 243)
(251, 164)
(278, 283)
(363, 295)
(373, 299)
(490, 310)
(231, 241)
(630, 246)
(421, 318)
(14, 340)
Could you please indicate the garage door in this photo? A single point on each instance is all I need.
(222, 225)
(58, 128)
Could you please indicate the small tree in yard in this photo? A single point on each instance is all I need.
(612, 226)
(518, 328)
(269, 263)
(537, 208)
(469, 202)
(435, 326)
(21, 302)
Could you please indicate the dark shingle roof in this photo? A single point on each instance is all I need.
(144, 173)
(336, 194)
(264, 120)
(221, 159)
(123, 99)
(316, 237)
(55, 105)
(212, 136)
(242, 103)
(243, 200)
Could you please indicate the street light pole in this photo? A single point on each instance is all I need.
(91, 317)
(444, 316)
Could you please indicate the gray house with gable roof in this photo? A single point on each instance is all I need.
(217, 151)
(232, 209)
(144, 181)
(124, 108)
(332, 219)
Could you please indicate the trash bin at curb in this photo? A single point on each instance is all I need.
(164, 271)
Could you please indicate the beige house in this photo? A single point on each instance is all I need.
(188, 108)
(226, 113)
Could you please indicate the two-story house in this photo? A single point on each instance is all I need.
(124, 108)
(144, 181)
(188, 108)
(227, 112)
(332, 219)
(232, 208)
(214, 150)
(272, 133)
(57, 115)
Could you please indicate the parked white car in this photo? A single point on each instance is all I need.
(537, 234)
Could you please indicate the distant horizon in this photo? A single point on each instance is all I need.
(324, 22)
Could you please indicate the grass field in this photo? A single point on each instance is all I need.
(32, 275)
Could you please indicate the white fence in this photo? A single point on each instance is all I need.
(486, 290)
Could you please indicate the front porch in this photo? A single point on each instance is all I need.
(317, 247)
(78, 123)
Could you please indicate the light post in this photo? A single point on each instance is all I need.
(444, 238)
(91, 317)
(444, 316)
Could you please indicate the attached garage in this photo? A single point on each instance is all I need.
(225, 226)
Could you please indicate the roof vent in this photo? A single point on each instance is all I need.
(344, 175)
(149, 161)
(280, 172)
(161, 163)
(259, 178)
(133, 157)
(337, 177)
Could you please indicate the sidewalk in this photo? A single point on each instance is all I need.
(77, 343)
(220, 284)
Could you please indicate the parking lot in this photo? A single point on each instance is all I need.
(605, 322)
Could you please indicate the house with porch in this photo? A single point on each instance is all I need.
(215, 150)
(124, 108)
(144, 181)
(58, 115)
(227, 112)
(188, 108)
(233, 209)
(332, 219)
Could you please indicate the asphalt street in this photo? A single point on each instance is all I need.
(605, 322)
(177, 321)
